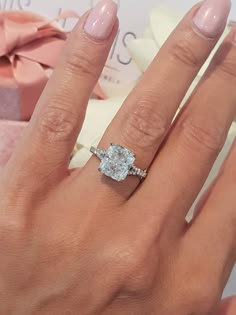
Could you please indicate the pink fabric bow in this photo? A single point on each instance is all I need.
(31, 44)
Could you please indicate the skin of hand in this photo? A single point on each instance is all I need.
(80, 243)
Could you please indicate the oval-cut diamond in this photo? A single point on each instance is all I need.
(117, 162)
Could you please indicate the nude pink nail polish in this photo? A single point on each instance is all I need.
(101, 20)
(212, 16)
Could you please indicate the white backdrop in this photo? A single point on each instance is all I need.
(134, 18)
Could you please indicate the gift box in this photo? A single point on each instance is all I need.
(29, 49)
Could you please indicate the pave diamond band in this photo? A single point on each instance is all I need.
(117, 163)
(135, 171)
(98, 152)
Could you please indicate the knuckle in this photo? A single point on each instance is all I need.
(79, 63)
(127, 263)
(145, 125)
(126, 257)
(224, 64)
(141, 281)
(134, 269)
(227, 68)
(182, 52)
(200, 135)
(57, 123)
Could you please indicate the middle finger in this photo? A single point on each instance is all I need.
(144, 120)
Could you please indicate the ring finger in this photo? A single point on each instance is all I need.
(144, 120)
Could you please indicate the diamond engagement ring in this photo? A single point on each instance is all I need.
(117, 163)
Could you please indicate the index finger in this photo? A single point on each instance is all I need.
(48, 142)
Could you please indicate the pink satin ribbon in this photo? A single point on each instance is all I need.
(32, 47)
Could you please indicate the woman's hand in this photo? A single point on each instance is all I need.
(81, 243)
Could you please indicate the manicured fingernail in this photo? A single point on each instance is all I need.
(101, 20)
(212, 16)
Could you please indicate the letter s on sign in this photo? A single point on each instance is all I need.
(23, 3)
(124, 41)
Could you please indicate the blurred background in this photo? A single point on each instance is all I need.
(134, 18)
